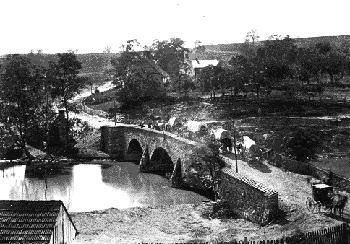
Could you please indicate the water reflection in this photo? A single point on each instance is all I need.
(92, 187)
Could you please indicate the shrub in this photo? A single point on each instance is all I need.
(301, 144)
(204, 167)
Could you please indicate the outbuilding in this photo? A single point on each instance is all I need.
(39, 222)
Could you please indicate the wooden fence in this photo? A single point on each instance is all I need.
(332, 235)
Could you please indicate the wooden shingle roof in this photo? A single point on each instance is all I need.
(29, 222)
(144, 55)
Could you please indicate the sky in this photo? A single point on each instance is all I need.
(87, 26)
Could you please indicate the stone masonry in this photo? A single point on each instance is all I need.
(247, 198)
(116, 140)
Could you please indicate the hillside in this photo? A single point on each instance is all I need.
(91, 62)
(95, 62)
(302, 42)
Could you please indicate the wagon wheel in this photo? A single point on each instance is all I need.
(310, 204)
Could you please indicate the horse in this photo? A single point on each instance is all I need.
(339, 202)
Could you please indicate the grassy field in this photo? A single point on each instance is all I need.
(340, 166)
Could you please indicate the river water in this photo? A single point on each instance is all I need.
(93, 187)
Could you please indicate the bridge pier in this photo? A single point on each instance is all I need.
(176, 176)
(145, 161)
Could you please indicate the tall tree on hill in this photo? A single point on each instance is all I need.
(323, 58)
(23, 97)
(249, 47)
(344, 52)
(277, 56)
(65, 82)
(169, 55)
(139, 80)
(209, 79)
(332, 60)
(198, 48)
(108, 69)
(246, 65)
(233, 79)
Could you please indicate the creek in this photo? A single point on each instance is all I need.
(88, 187)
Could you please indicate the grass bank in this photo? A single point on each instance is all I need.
(185, 223)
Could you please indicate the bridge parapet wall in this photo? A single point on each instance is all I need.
(247, 198)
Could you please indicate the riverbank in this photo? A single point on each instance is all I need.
(186, 223)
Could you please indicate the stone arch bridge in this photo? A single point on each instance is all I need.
(165, 152)
(157, 151)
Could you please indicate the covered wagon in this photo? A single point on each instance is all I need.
(224, 137)
(173, 122)
(196, 126)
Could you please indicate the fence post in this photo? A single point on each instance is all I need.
(245, 240)
(345, 233)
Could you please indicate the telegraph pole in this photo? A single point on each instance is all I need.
(235, 124)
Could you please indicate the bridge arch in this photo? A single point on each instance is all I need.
(134, 151)
(161, 161)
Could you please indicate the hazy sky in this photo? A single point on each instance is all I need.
(89, 26)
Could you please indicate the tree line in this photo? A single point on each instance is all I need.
(278, 63)
(274, 64)
(30, 90)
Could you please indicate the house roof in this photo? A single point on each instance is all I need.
(159, 69)
(29, 222)
(144, 55)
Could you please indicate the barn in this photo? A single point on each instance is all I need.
(39, 222)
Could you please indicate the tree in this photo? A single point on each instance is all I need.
(169, 55)
(344, 51)
(204, 168)
(233, 79)
(276, 57)
(247, 65)
(108, 66)
(323, 58)
(186, 84)
(65, 82)
(23, 98)
(198, 48)
(301, 144)
(207, 79)
(330, 60)
(140, 82)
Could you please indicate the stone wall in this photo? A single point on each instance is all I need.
(247, 198)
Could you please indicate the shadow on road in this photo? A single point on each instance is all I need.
(258, 165)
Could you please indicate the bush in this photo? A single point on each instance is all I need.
(340, 140)
(301, 144)
(204, 167)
